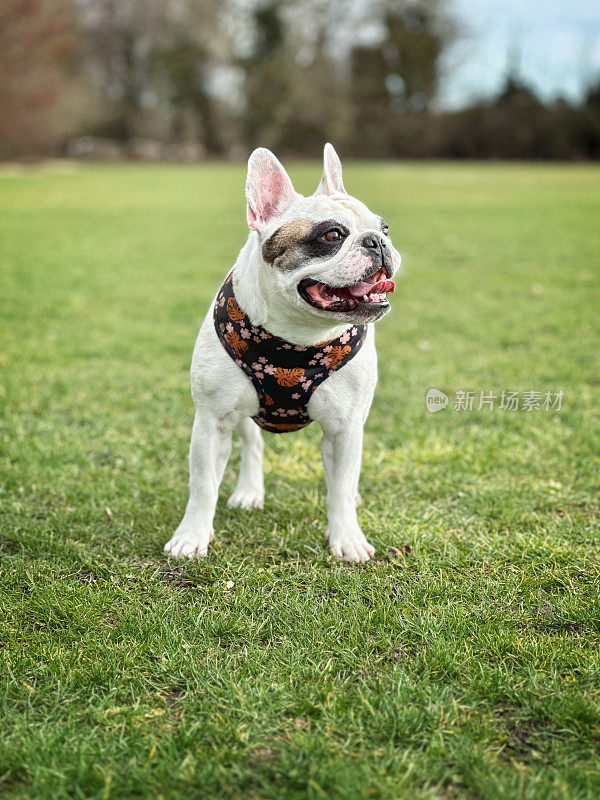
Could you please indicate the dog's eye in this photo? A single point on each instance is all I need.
(333, 235)
(385, 228)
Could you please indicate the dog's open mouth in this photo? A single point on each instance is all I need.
(370, 291)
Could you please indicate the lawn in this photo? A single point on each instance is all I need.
(463, 662)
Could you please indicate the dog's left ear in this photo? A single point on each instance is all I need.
(269, 190)
(331, 182)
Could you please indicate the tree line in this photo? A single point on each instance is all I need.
(216, 78)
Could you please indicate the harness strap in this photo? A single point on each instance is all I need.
(284, 374)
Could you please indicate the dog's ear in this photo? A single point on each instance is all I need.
(269, 190)
(331, 182)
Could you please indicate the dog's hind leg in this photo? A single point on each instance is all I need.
(250, 489)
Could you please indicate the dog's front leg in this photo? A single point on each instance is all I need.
(209, 451)
(341, 449)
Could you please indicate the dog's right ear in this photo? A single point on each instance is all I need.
(269, 190)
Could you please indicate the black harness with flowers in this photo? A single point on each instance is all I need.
(284, 374)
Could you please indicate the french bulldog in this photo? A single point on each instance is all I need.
(289, 339)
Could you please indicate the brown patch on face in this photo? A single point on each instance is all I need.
(285, 237)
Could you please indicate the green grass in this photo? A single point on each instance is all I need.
(465, 665)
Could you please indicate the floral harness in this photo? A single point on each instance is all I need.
(284, 374)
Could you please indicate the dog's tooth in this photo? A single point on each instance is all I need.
(336, 298)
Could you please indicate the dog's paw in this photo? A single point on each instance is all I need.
(187, 544)
(246, 497)
(351, 546)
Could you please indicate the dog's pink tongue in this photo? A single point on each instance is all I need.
(359, 289)
(364, 287)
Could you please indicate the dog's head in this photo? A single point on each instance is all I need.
(328, 255)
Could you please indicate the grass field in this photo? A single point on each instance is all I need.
(462, 663)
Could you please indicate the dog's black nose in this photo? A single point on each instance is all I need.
(373, 242)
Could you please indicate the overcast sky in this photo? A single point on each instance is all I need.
(557, 41)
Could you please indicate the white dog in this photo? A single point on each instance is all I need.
(289, 339)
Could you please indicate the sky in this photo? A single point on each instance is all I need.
(556, 44)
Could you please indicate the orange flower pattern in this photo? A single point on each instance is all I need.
(234, 311)
(289, 377)
(237, 345)
(284, 374)
(336, 355)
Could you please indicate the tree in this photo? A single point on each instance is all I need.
(38, 49)
(266, 82)
(517, 94)
(149, 56)
(399, 73)
(184, 66)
